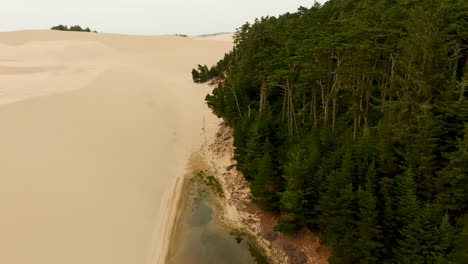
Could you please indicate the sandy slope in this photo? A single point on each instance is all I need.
(95, 129)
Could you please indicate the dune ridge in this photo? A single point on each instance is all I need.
(95, 133)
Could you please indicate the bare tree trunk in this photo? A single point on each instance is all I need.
(335, 89)
(263, 96)
(284, 104)
(384, 94)
(293, 112)
(303, 110)
(314, 106)
(290, 109)
(361, 111)
(235, 97)
(324, 103)
(355, 127)
(368, 95)
(292, 123)
(392, 71)
(334, 101)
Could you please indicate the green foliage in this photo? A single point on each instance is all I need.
(351, 118)
(209, 181)
(461, 240)
(452, 183)
(76, 28)
(203, 74)
(60, 27)
(266, 182)
(214, 183)
(368, 232)
(422, 241)
(287, 223)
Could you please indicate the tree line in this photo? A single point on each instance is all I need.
(76, 28)
(351, 119)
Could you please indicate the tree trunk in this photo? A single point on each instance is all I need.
(263, 96)
(355, 127)
(324, 103)
(314, 106)
(293, 113)
(384, 94)
(303, 110)
(285, 94)
(361, 111)
(334, 101)
(290, 109)
(335, 89)
(392, 72)
(368, 95)
(235, 97)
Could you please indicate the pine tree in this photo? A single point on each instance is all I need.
(337, 206)
(302, 182)
(452, 183)
(420, 137)
(422, 241)
(252, 151)
(408, 205)
(460, 254)
(443, 235)
(368, 229)
(412, 240)
(266, 182)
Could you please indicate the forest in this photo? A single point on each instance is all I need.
(76, 28)
(351, 119)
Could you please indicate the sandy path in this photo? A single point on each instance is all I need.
(94, 131)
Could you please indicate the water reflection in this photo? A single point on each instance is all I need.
(201, 240)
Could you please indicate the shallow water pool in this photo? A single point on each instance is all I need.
(201, 239)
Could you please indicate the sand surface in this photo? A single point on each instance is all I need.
(95, 132)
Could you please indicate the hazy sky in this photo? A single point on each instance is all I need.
(141, 16)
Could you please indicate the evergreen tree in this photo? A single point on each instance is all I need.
(302, 182)
(460, 254)
(442, 247)
(72, 28)
(424, 242)
(368, 229)
(452, 183)
(337, 204)
(266, 183)
(350, 118)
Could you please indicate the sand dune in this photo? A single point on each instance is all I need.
(95, 130)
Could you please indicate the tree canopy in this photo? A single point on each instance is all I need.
(351, 118)
(76, 28)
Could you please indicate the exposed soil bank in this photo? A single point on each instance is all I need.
(237, 212)
(199, 237)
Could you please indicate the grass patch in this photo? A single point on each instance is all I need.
(209, 181)
(213, 182)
